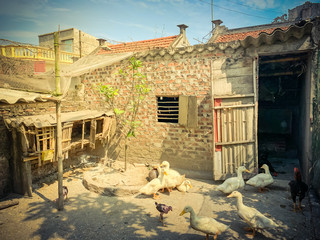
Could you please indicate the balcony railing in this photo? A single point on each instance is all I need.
(36, 53)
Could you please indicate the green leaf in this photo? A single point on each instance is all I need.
(118, 111)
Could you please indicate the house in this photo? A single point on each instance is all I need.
(72, 41)
(234, 83)
(74, 45)
(28, 116)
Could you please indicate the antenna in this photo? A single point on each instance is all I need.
(212, 14)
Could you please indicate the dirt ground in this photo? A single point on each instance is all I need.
(89, 215)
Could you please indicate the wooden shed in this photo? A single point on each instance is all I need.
(34, 143)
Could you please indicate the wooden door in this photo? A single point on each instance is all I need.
(235, 132)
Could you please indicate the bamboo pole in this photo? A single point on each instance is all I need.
(58, 117)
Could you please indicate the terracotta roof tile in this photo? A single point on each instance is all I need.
(243, 35)
(140, 46)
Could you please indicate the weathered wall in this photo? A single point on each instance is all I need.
(183, 73)
(76, 102)
(156, 141)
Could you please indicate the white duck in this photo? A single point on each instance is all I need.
(173, 178)
(252, 216)
(261, 180)
(154, 185)
(233, 183)
(204, 224)
(185, 186)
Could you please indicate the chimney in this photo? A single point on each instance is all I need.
(182, 29)
(101, 41)
(216, 23)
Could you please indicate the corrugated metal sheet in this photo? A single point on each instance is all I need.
(28, 87)
(10, 96)
(48, 120)
(92, 62)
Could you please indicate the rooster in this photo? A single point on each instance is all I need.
(163, 209)
(297, 189)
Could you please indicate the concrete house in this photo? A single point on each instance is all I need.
(72, 40)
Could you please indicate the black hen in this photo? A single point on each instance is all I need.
(162, 208)
(263, 159)
(297, 189)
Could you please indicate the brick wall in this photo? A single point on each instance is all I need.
(186, 149)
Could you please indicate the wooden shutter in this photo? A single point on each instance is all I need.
(188, 111)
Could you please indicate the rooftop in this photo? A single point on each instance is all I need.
(139, 46)
(242, 35)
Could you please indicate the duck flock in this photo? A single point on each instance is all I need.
(162, 177)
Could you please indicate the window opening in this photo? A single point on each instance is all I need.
(168, 109)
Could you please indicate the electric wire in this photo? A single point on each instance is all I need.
(232, 10)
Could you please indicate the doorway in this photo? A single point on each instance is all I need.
(283, 109)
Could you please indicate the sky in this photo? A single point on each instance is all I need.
(134, 20)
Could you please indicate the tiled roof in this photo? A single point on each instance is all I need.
(242, 35)
(140, 46)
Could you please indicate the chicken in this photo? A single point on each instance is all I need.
(298, 189)
(153, 173)
(163, 209)
(263, 159)
(65, 192)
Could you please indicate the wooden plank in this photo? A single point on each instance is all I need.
(235, 96)
(281, 60)
(235, 142)
(38, 146)
(82, 138)
(183, 110)
(93, 130)
(219, 125)
(223, 139)
(280, 74)
(192, 112)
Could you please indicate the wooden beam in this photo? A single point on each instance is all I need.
(235, 106)
(279, 74)
(281, 60)
(235, 142)
(234, 96)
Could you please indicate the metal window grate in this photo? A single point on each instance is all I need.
(168, 109)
